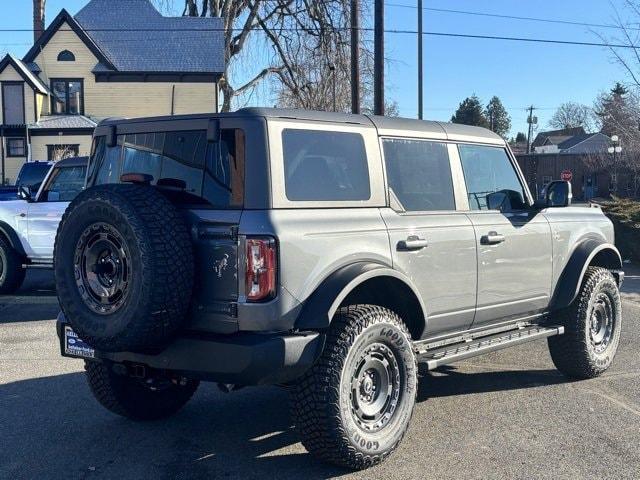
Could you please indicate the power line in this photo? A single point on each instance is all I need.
(365, 29)
(515, 17)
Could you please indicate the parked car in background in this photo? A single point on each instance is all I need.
(31, 175)
(28, 224)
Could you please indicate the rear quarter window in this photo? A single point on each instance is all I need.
(325, 166)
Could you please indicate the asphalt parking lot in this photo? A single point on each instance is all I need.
(504, 415)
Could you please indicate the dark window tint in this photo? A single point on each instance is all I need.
(16, 147)
(492, 182)
(224, 171)
(190, 170)
(419, 174)
(32, 174)
(329, 166)
(65, 183)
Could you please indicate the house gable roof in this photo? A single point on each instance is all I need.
(555, 137)
(135, 37)
(62, 18)
(33, 81)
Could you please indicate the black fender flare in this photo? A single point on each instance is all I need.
(319, 309)
(582, 257)
(12, 237)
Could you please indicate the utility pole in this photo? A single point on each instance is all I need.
(531, 120)
(420, 73)
(355, 57)
(378, 61)
(332, 69)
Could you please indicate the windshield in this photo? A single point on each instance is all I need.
(32, 174)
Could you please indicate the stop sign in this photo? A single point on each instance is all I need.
(566, 175)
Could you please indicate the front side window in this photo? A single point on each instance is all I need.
(325, 166)
(16, 147)
(68, 96)
(65, 183)
(419, 174)
(492, 182)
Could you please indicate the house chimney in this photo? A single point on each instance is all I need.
(38, 18)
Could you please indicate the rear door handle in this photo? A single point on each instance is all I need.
(492, 238)
(412, 243)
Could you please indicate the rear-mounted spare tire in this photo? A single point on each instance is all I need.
(124, 267)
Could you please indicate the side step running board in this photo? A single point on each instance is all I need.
(461, 351)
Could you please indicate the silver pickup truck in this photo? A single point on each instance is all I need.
(326, 252)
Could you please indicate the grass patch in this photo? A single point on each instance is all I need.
(625, 215)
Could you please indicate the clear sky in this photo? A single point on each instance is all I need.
(521, 74)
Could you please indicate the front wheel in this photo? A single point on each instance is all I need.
(354, 406)
(135, 398)
(11, 272)
(592, 327)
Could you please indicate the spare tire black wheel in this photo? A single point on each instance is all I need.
(124, 267)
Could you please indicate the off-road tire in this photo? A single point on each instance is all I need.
(131, 398)
(321, 402)
(11, 271)
(159, 258)
(574, 353)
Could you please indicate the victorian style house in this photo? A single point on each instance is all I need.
(114, 58)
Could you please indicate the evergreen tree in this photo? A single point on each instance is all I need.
(470, 113)
(497, 117)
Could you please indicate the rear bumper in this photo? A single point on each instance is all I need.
(241, 359)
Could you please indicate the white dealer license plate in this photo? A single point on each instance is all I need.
(75, 346)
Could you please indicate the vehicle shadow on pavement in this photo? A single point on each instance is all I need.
(53, 428)
(450, 381)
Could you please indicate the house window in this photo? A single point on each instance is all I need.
(60, 152)
(68, 96)
(13, 103)
(16, 147)
(66, 56)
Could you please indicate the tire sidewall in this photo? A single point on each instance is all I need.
(375, 443)
(4, 264)
(606, 284)
(94, 325)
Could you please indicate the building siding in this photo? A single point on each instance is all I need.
(39, 144)
(109, 99)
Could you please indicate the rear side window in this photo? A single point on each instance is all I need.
(190, 170)
(325, 166)
(487, 171)
(419, 174)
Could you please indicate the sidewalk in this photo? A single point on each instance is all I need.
(631, 286)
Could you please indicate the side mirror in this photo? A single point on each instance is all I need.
(558, 194)
(24, 193)
(496, 200)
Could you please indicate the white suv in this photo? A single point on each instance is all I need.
(28, 225)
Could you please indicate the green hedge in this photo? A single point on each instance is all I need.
(625, 215)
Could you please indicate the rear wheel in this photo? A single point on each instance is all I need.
(592, 327)
(135, 398)
(354, 406)
(11, 272)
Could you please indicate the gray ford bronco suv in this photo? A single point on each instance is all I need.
(327, 253)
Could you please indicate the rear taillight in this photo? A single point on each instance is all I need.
(261, 269)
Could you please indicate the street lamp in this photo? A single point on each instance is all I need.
(615, 149)
(332, 69)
